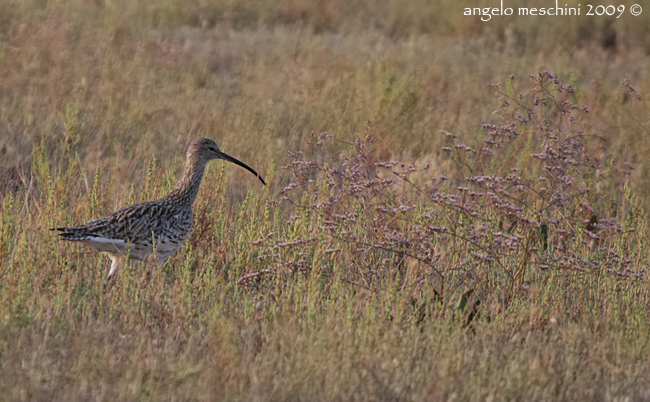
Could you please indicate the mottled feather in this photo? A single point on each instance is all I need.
(155, 227)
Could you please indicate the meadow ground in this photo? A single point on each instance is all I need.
(455, 209)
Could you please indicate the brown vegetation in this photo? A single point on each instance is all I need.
(412, 243)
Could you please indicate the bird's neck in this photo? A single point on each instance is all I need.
(187, 187)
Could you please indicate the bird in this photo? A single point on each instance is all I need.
(155, 228)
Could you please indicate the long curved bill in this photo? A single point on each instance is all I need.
(240, 163)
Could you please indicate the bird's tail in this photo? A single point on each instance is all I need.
(71, 233)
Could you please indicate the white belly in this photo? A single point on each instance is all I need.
(164, 248)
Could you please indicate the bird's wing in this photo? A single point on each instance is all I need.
(133, 223)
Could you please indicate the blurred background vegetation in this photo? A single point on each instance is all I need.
(259, 76)
(99, 100)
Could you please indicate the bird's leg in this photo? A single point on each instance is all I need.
(116, 264)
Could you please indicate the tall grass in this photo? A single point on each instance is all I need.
(498, 229)
(432, 238)
(348, 263)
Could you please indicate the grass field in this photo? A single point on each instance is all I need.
(455, 209)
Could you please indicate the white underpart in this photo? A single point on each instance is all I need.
(117, 249)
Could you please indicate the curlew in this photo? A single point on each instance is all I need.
(156, 227)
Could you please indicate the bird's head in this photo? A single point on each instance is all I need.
(205, 149)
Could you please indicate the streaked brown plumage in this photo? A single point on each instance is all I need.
(166, 222)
